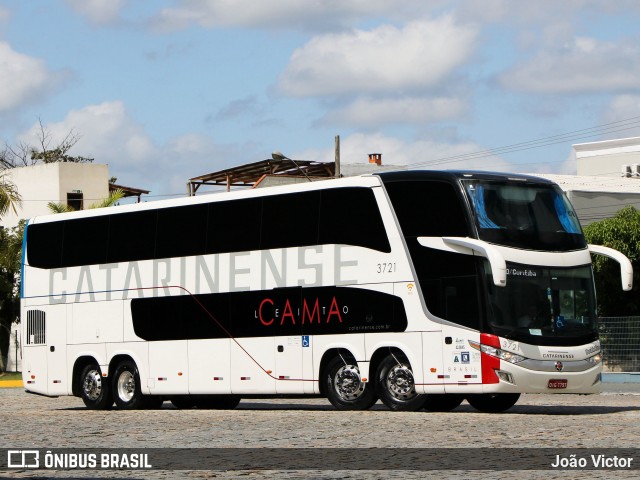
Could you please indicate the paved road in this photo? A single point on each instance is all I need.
(609, 420)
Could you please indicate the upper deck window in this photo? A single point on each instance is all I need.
(524, 215)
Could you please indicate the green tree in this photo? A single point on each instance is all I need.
(622, 233)
(10, 259)
(9, 197)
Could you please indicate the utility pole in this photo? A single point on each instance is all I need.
(337, 165)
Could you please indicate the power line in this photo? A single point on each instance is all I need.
(612, 127)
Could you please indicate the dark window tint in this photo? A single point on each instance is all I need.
(351, 216)
(450, 283)
(182, 231)
(85, 241)
(44, 245)
(234, 226)
(290, 220)
(428, 209)
(132, 236)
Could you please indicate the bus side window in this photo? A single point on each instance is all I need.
(350, 216)
(290, 220)
(85, 241)
(44, 245)
(234, 226)
(182, 231)
(132, 236)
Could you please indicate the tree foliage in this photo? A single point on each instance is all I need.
(114, 197)
(10, 259)
(24, 154)
(9, 196)
(622, 233)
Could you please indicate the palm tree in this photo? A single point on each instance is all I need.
(9, 196)
(111, 200)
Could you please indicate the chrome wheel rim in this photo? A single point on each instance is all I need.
(400, 382)
(126, 386)
(92, 385)
(348, 384)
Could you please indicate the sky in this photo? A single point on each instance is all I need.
(167, 90)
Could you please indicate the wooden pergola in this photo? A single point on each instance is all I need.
(251, 174)
(129, 191)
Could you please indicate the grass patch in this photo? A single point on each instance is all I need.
(10, 376)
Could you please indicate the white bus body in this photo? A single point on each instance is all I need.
(322, 288)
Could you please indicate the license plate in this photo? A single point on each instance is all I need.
(557, 383)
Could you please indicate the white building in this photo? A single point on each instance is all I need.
(75, 184)
(609, 158)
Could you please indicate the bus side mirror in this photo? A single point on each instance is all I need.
(471, 246)
(626, 269)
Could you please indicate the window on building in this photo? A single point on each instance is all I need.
(75, 200)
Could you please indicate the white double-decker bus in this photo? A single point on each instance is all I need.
(418, 288)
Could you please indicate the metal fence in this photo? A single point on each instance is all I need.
(620, 339)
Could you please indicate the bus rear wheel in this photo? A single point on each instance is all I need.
(344, 386)
(444, 402)
(126, 386)
(94, 389)
(493, 402)
(395, 385)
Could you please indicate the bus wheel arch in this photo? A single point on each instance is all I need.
(341, 382)
(395, 381)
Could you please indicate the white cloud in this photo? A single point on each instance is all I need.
(386, 58)
(24, 79)
(286, 14)
(368, 112)
(98, 11)
(421, 154)
(622, 117)
(110, 135)
(585, 65)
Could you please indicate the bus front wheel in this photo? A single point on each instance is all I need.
(442, 402)
(126, 386)
(344, 386)
(395, 385)
(493, 402)
(94, 389)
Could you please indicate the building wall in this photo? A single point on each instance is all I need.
(595, 206)
(606, 158)
(43, 183)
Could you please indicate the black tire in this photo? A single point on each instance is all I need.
(442, 402)
(395, 385)
(493, 402)
(344, 387)
(94, 388)
(126, 386)
(183, 402)
(217, 402)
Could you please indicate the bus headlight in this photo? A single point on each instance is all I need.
(596, 359)
(497, 352)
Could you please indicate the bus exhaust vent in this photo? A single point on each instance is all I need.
(35, 327)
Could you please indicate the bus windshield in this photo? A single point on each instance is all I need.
(542, 305)
(524, 215)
